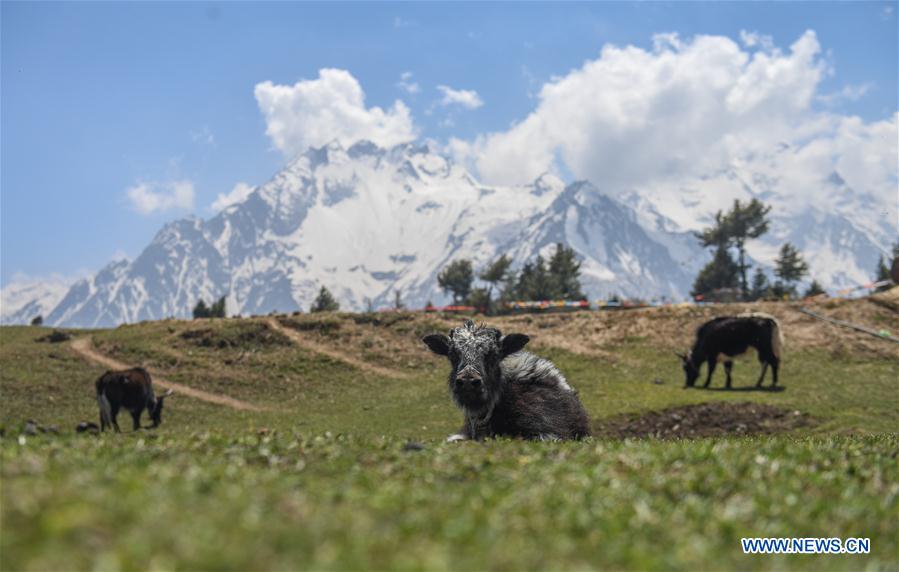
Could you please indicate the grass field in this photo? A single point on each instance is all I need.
(346, 468)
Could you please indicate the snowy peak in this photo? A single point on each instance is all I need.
(367, 221)
(618, 255)
(23, 300)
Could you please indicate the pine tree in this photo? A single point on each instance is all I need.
(218, 309)
(716, 235)
(201, 310)
(480, 299)
(883, 273)
(497, 274)
(523, 286)
(565, 270)
(742, 223)
(535, 283)
(720, 272)
(398, 300)
(456, 279)
(760, 285)
(789, 268)
(324, 302)
(814, 289)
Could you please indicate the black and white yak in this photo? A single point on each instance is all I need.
(722, 339)
(131, 389)
(504, 391)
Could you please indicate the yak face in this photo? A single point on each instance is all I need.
(155, 408)
(691, 372)
(475, 352)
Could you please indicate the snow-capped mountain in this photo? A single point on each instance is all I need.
(23, 300)
(840, 231)
(619, 255)
(365, 222)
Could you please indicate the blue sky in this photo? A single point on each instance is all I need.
(99, 98)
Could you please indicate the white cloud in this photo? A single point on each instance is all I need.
(203, 135)
(754, 39)
(667, 118)
(467, 98)
(317, 111)
(406, 83)
(688, 106)
(148, 198)
(848, 93)
(237, 195)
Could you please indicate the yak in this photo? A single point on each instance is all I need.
(131, 389)
(504, 391)
(723, 338)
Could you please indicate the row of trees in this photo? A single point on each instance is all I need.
(216, 310)
(324, 302)
(559, 277)
(730, 231)
(555, 279)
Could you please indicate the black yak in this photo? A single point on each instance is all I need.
(722, 339)
(131, 389)
(504, 391)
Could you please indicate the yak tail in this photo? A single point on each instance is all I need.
(105, 410)
(777, 338)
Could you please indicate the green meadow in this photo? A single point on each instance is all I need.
(345, 465)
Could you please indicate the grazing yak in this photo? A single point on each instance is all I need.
(131, 389)
(504, 391)
(722, 339)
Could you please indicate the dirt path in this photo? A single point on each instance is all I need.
(84, 348)
(324, 350)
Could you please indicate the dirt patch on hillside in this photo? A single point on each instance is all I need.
(55, 337)
(315, 344)
(251, 335)
(714, 419)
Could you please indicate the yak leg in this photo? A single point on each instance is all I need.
(463, 434)
(775, 365)
(762, 376)
(115, 419)
(135, 416)
(712, 363)
(728, 365)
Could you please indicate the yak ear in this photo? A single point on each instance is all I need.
(513, 343)
(438, 343)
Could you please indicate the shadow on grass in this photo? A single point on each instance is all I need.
(766, 388)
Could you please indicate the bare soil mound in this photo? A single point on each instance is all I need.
(714, 419)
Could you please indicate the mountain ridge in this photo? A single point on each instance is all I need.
(366, 221)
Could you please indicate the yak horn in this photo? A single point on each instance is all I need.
(168, 392)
